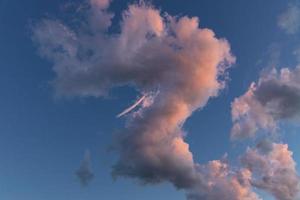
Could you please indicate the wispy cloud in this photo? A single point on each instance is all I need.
(137, 103)
(289, 20)
(85, 173)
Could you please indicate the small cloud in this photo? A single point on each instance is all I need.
(265, 146)
(274, 98)
(289, 21)
(273, 170)
(85, 173)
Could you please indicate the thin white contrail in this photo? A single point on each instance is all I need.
(127, 110)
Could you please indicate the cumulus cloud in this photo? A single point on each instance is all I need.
(85, 173)
(275, 98)
(289, 21)
(220, 181)
(273, 170)
(174, 64)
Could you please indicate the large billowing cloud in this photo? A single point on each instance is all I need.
(174, 64)
(273, 170)
(275, 98)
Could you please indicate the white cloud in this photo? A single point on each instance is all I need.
(289, 21)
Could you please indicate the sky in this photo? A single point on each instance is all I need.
(161, 99)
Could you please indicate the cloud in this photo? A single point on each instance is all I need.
(219, 181)
(144, 53)
(289, 21)
(275, 98)
(273, 170)
(129, 109)
(85, 173)
(100, 4)
(175, 64)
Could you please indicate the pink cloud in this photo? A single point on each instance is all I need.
(274, 170)
(274, 98)
(176, 64)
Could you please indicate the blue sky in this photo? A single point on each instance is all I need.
(43, 138)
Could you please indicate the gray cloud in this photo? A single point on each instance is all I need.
(275, 98)
(85, 173)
